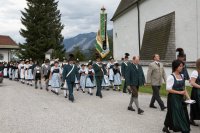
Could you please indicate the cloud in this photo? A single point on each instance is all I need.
(78, 16)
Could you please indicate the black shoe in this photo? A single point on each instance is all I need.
(91, 94)
(36, 87)
(47, 89)
(71, 99)
(140, 111)
(153, 106)
(163, 108)
(66, 96)
(40, 88)
(83, 91)
(77, 89)
(101, 96)
(193, 123)
(165, 129)
(114, 89)
(107, 89)
(31, 85)
(131, 109)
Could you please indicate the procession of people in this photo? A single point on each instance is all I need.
(70, 74)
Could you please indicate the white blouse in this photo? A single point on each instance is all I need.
(170, 81)
(194, 74)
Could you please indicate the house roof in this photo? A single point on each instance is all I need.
(7, 43)
(50, 51)
(124, 6)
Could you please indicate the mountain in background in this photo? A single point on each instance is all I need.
(83, 41)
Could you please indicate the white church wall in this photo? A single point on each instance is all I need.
(185, 26)
(185, 21)
(198, 25)
(125, 35)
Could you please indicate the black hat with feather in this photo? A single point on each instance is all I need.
(127, 55)
(180, 52)
(71, 57)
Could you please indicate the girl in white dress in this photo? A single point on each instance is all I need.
(117, 77)
(109, 67)
(82, 73)
(21, 71)
(30, 73)
(5, 70)
(55, 77)
(89, 83)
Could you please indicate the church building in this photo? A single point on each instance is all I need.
(146, 27)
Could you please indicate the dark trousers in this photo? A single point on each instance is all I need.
(134, 90)
(98, 82)
(70, 87)
(156, 96)
(125, 86)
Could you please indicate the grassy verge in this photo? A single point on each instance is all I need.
(148, 89)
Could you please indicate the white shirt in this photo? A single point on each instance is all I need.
(194, 74)
(170, 81)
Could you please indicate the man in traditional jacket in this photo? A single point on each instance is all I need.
(70, 72)
(100, 71)
(134, 79)
(124, 66)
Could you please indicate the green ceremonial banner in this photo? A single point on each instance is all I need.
(102, 44)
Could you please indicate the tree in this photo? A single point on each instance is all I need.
(42, 22)
(78, 53)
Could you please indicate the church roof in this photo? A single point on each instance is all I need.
(50, 51)
(7, 43)
(123, 7)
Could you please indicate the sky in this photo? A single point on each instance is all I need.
(78, 16)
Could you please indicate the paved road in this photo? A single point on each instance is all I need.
(26, 110)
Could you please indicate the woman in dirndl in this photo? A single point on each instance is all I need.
(10, 70)
(55, 77)
(16, 71)
(105, 80)
(89, 82)
(195, 95)
(117, 77)
(176, 118)
(30, 73)
(21, 71)
(5, 70)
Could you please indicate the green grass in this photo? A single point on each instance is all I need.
(148, 89)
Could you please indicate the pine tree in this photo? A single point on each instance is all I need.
(42, 22)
